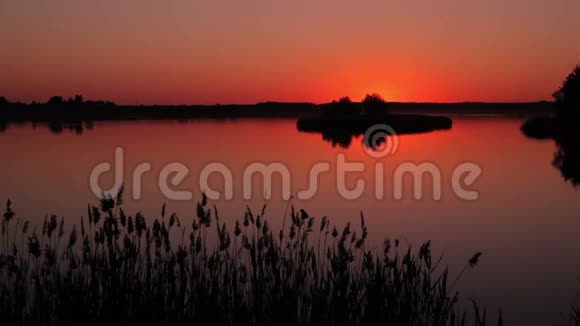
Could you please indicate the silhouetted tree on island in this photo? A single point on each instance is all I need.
(343, 108)
(567, 98)
(374, 104)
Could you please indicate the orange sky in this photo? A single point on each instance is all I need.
(249, 51)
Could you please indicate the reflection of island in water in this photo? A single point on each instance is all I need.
(567, 138)
(340, 132)
(567, 158)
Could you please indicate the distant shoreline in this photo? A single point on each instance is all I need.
(103, 111)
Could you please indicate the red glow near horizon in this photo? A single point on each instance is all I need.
(208, 53)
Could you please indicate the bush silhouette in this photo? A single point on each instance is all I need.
(374, 103)
(3, 101)
(341, 108)
(55, 100)
(568, 96)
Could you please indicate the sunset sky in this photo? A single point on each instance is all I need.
(208, 52)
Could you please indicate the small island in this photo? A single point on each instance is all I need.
(340, 120)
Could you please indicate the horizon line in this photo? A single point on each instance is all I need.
(292, 102)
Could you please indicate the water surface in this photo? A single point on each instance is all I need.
(525, 220)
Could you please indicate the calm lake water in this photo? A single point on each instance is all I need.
(525, 221)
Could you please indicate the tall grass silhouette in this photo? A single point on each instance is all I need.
(118, 269)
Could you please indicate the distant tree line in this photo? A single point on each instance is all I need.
(59, 101)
